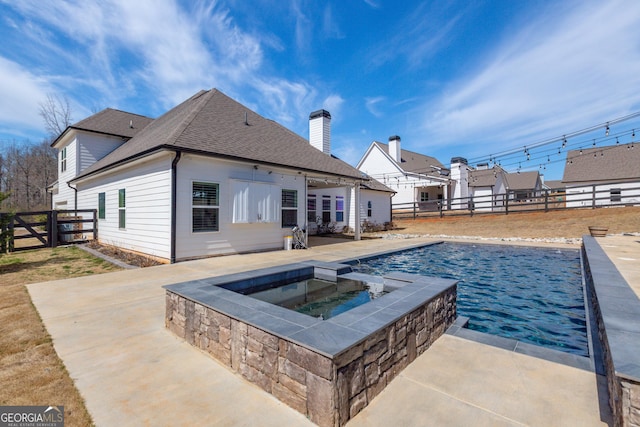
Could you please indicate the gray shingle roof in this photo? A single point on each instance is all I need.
(111, 122)
(523, 180)
(609, 163)
(415, 162)
(483, 177)
(211, 123)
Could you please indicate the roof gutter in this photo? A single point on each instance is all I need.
(174, 198)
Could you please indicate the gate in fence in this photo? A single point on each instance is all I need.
(47, 229)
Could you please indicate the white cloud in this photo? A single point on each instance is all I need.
(371, 105)
(22, 92)
(333, 103)
(563, 72)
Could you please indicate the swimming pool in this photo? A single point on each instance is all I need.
(529, 294)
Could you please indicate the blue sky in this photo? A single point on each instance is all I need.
(452, 78)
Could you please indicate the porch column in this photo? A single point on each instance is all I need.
(356, 196)
(445, 196)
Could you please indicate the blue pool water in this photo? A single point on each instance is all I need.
(528, 294)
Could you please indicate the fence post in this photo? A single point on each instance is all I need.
(440, 208)
(414, 209)
(470, 203)
(10, 232)
(546, 200)
(53, 222)
(95, 225)
(506, 203)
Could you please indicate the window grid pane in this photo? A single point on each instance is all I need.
(205, 219)
(289, 199)
(205, 194)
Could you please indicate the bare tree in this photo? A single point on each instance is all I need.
(56, 113)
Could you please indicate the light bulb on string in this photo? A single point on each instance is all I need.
(606, 132)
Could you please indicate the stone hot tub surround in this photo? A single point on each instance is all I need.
(328, 370)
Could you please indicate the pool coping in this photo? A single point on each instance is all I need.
(331, 337)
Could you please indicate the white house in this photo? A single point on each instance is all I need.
(413, 176)
(603, 176)
(208, 177)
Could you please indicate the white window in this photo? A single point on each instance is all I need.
(311, 208)
(63, 159)
(289, 208)
(339, 208)
(205, 207)
(326, 209)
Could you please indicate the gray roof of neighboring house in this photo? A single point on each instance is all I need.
(483, 177)
(212, 124)
(610, 163)
(554, 184)
(415, 162)
(523, 180)
(111, 122)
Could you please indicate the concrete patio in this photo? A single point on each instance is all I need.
(109, 331)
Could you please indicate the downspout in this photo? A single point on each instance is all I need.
(75, 198)
(174, 199)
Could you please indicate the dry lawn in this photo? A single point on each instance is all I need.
(31, 373)
(568, 223)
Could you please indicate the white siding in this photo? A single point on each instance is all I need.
(483, 198)
(378, 165)
(380, 206)
(147, 188)
(582, 195)
(65, 197)
(231, 238)
(92, 147)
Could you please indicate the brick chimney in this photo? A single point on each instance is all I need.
(320, 130)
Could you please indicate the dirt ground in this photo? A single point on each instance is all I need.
(555, 224)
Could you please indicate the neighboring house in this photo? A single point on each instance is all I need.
(487, 187)
(208, 177)
(414, 177)
(603, 176)
(524, 186)
(484, 188)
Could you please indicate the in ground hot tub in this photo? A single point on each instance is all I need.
(328, 368)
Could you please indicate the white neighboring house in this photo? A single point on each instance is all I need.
(490, 188)
(209, 177)
(413, 176)
(603, 176)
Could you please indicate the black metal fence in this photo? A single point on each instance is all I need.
(47, 229)
(589, 196)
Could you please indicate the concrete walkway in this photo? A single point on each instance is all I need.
(109, 331)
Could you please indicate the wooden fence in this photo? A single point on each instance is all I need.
(48, 229)
(591, 196)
